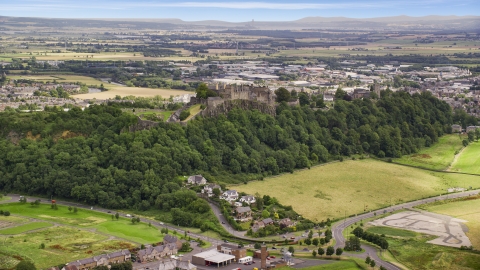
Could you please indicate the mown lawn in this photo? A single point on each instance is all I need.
(62, 245)
(468, 210)
(345, 188)
(438, 157)
(333, 265)
(122, 228)
(469, 159)
(26, 228)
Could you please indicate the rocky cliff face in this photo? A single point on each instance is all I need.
(228, 105)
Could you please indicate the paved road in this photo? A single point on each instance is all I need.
(338, 228)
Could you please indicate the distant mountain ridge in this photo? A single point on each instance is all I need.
(403, 22)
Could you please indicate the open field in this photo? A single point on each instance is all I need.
(113, 89)
(468, 210)
(469, 160)
(345, 188)
(449, 231)
(438, 157)
(335, 265)
(26, 227)
(9, 221)
(62, 244)
(391, 231)
(416, 253)
(122, 228)
(133, 91)
(5, 198)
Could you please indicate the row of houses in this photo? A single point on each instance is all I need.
(100, 260)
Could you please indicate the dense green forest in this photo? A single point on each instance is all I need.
(99, 162)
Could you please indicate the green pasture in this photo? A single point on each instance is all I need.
(469, 160)
(5, 198)
(194, 110)
(122, 228)
(344, 188)
(416, 253)
(61, 245)
(333, 265)
(438, 156)
(391, 231)
(25, 228)
(10, 221)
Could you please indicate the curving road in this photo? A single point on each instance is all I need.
(339, 227)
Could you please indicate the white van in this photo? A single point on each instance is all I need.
(245, 259)
(128, 215)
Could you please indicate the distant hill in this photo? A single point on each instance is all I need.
(429, 23)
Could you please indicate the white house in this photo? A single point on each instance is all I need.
(249, 199)
(197, 180)
(208, 189)
(229, 195)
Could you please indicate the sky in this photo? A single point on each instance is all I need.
(235, 11)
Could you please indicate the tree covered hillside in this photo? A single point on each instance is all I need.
(90, 157)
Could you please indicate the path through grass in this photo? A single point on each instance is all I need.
(469, 159)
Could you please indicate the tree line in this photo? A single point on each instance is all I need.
(90, 156)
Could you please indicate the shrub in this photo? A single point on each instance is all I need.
(184, 115)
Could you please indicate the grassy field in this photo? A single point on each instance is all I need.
(340, 265)
(416, 253)
(469, 160)
(26, 227)
(194, 110)
(438, 157)
(11, 221)
(467, 210)
(5, 198)
(113, 89)
(122, 228)
(62, 244)
(391, 231)
(345, 188)
(133, 91)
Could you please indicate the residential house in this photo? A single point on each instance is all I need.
(472, 128)
(267, 221)
(197, 180)
(456, 128)
(155, 253)
(286, 222)
(100, 260)
(248, 199)
(238, 252)
(243, 213)
(257, 226)
(229, 195)
(169, 239)
(328, 98)
(208, 189)
(176, 265)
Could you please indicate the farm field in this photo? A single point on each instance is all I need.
(345, 188)
(62, 244)
(469, 160)
(467, 210)
(391, 231)
(113, 89)
(86, 219)
(26, 227)
(132, 91)
(438, 157)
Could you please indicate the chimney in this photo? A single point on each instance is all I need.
(263, 257)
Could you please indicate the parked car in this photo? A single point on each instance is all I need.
(272, 256)
(223, 222)
(284, 236)
(293, 237)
